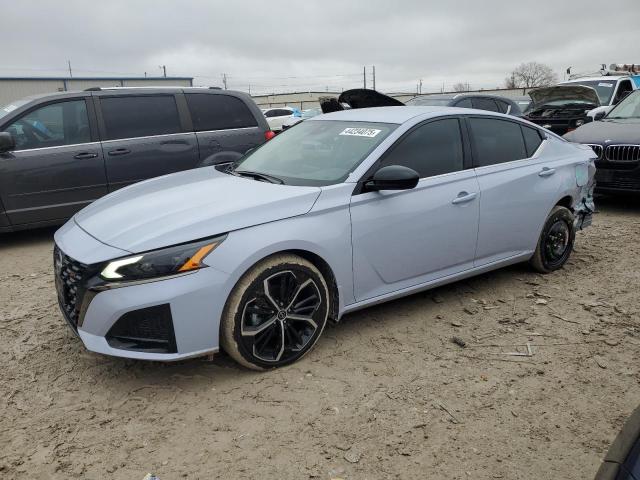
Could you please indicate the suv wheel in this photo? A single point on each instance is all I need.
(275, 313)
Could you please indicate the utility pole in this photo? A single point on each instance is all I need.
(420, 86)
(364, 77)
(164, 70)
(224, 80)
(374, 77)
(69, 63)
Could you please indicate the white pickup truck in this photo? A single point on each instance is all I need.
(610, 89)
(581, 99)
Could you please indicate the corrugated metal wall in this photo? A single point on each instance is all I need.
(16, 88)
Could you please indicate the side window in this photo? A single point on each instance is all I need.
(431, 149)
(532, 139)
(464, 103)
(284, 113)
(271, 113)
(218, 112)
(143, 116)
(503, 106)
(624, 87)
(485, 104)
(64, 123)
(497, 141)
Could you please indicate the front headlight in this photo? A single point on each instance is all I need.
(161, 263)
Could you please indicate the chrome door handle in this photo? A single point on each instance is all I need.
(464, 197)
(546, 172)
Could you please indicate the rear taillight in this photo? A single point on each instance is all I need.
(268, 135)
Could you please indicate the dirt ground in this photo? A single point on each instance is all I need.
(385, 394)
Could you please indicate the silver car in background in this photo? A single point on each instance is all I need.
(346, 210)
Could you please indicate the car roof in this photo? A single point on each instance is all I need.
(451, 96)
(397, 115)
(597, 79)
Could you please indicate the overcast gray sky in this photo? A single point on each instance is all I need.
(304, 45)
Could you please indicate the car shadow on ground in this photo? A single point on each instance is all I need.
(622, 203)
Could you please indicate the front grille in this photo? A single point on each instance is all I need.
(70, 279)
(623, 153)
(596, 148)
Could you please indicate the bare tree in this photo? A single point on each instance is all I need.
(461, 87)
(531, 74)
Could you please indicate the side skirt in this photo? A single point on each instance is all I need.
(436, 283)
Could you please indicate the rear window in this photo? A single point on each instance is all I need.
(143, 116)
(497, 141)
(218, 112)
(485, 104)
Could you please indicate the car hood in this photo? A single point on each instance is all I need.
(358, 98)
(607, 131)
(580, 93)
(187, 206)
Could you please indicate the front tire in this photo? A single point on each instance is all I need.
(556, 241)
(275, 313)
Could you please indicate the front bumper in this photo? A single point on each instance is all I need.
(617, 179)
(192, 303)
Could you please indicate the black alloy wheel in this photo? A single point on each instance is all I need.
(276, 313)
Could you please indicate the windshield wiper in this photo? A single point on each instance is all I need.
(257, 176)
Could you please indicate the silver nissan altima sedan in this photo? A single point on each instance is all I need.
(344, 211)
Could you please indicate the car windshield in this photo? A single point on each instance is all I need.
(429, 102)
(7, 109)
(627, 108)
(603, 88)
(310, 113)
(316, 152)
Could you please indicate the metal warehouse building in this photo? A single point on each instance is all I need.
(14, 88)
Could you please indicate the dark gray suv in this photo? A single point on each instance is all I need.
(59, 152)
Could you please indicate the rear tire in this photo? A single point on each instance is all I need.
(276, 313)
(556, 241)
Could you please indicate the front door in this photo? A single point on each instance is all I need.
(57, 167)
(406, 238)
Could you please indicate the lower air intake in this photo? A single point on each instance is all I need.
(145, 330)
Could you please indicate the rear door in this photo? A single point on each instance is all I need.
(225, 127)
(57, 166)
(518, 187)
(144, 135)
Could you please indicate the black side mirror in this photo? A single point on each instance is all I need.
(7, 142)
(393, 177)
(599, 116)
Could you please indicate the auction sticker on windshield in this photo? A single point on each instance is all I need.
(360, 132)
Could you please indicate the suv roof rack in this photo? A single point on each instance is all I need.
(99, 89)
(614, 70)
